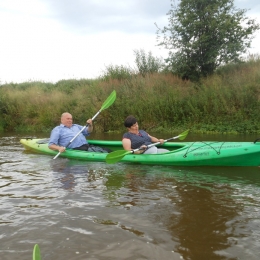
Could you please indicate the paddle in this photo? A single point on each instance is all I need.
(118, 155)
(109, 101)
(36, 253)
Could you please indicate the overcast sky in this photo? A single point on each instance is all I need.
(51, 40)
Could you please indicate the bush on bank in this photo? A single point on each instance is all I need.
(227, 102)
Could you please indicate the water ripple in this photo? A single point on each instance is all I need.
(82, 210)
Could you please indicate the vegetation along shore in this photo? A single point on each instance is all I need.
(226, 102)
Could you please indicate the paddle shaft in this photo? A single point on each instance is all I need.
(154, 144)
(181, 136)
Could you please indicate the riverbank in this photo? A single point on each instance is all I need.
(227, 102)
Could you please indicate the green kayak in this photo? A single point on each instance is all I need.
(201, 153)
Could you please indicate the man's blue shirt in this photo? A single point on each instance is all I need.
(61, 135)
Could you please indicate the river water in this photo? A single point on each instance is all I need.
(81, 210)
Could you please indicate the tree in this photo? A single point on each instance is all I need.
(203, 34)
(147, 63)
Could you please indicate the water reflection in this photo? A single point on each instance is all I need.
(199, 221)
(87, 210)
(71, 173)
(199, 207)
(68, 172)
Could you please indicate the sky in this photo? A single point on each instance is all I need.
(52, 40)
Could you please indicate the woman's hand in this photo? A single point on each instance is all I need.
(142, 149)
(161, 141)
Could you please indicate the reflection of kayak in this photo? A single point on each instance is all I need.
(204, 153)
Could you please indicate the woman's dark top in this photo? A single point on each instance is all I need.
(142, 138)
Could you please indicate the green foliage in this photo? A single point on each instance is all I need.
(202, 35)
(28, 85)
(226, 102)
(68, 86)
(117, 72)
(147, 63)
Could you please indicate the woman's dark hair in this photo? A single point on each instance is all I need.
(129, 121)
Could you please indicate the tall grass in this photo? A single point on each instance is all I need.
(227, 102)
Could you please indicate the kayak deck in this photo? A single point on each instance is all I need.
(202, 153)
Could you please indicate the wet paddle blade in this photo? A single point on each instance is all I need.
(116, 156)
(109, 101)
(183, 135)
(36, 252)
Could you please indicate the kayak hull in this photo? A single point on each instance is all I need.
(206, 153)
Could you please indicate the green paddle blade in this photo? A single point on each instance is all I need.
(183, 135)
(109, 101)
(36, 252)
(116, 156)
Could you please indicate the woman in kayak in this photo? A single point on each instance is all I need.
(136, 138)
(62, 135)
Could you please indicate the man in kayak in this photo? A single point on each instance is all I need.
(136, 138)
(62, 135)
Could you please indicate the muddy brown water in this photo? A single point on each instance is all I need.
(82, 210)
